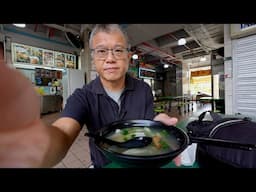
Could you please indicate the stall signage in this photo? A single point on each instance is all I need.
(147, 73)
(248, 25)
(200, 73)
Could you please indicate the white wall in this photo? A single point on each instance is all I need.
(236, 31)
(185, 79)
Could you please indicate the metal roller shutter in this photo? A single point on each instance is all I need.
(244, 79)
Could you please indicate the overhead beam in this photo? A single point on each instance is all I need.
(62, 28)
(191, 33)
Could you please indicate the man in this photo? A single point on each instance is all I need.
(112, 96)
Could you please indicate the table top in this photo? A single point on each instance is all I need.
(169, 165)
(210, 98)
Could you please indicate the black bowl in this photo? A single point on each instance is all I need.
(124, 160)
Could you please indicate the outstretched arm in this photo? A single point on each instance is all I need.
(25, 141)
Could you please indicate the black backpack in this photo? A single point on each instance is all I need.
(214, 125)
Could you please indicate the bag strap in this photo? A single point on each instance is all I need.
(215, 116)
(225, 122)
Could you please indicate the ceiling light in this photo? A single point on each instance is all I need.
(182, 41)
(21, 25)
(203, 59)
(166, 66)
(135, 56)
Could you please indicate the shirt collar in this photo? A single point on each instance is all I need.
(98, 87)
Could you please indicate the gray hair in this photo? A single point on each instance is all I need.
(108, 28)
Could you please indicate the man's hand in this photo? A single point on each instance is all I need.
(24, 139)
(167, 120)
(18, 100)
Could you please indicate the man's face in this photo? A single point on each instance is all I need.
(110, 55)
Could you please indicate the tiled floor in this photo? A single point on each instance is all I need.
(78, 155)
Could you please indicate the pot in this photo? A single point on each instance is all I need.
(179, 139)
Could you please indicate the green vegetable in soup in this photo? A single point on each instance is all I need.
(125, 131)
(164, 132)
(126, 138)
(164, 145)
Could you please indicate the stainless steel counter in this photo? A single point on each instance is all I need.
(50, 103)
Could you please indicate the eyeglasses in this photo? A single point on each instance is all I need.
(102, 53)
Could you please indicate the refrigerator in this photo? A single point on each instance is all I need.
(71, 79)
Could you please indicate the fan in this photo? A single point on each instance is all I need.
(220, 51)
(74, 40)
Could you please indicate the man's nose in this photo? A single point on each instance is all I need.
(110, 54)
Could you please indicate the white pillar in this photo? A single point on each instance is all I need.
(85, 55)
(228, 70)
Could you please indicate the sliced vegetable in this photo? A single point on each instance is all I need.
(125, 131)
(156, 141)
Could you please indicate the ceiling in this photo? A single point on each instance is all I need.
(157, 43)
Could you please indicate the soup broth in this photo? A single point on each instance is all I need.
(162, 141)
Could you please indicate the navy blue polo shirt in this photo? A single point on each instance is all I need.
(92, 106)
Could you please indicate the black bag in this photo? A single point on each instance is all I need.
(213, 125)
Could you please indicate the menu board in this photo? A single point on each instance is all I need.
(48, 58)
(37, 56)
(59, 59)
(21, 53)
(70, 61)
